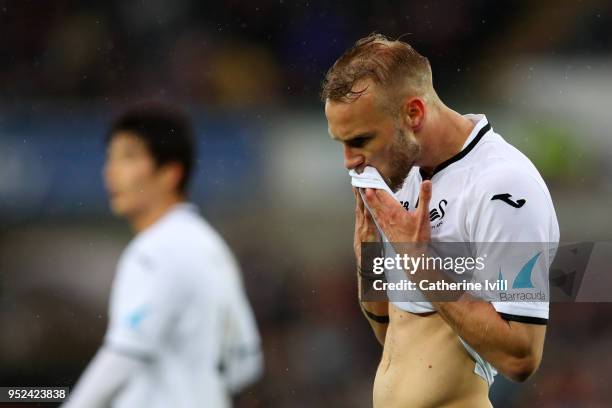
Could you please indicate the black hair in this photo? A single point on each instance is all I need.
(166, 131)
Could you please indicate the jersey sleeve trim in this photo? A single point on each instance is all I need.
(376, 318)
(524, 319)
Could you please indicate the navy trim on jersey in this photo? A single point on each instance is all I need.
(523, 319)
(459, 155)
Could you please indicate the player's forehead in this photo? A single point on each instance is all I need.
(123, 139)
(347, 118)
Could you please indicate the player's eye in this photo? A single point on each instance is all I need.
(128, 154)
(359, 141)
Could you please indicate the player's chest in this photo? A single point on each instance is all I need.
(447, 208)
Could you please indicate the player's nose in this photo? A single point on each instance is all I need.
(352, 159)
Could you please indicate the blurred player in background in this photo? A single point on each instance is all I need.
(381, 105)
(181, 331)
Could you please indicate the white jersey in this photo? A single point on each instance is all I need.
(488, 193)
(178, 304)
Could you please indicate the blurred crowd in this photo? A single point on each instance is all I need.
(240, 54)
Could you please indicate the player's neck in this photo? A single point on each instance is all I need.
(152, 214)
(446, 137)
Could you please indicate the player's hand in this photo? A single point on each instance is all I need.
(398, 224)
(365, 228)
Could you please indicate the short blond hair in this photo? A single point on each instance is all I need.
(391, 64)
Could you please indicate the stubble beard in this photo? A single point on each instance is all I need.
(404, 153)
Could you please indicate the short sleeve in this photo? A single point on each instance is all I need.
(145, 301)
(513, 224)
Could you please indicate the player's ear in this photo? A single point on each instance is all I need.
(171, 175)
(413, 112)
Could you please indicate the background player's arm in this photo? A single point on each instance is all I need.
(136, 326)
(377, 313)
(242, 358)
(103, 378)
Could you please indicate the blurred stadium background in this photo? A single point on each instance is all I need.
(268, 176)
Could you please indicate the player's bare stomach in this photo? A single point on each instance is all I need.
(425, 365)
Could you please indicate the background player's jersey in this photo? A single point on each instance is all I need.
(489, 193)
(178, 304)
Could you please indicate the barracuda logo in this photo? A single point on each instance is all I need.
(523, 279)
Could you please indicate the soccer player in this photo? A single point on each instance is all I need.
(381, 105)
(181, 332)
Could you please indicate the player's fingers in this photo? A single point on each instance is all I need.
(361, 210)
(358, 201)
(373, 202)
(386, 199)
(368, 216)
(375, 206)
(424, 199)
